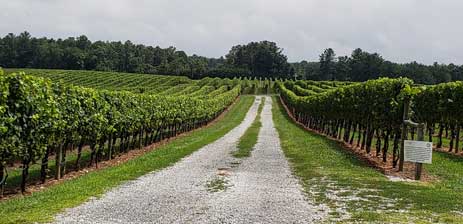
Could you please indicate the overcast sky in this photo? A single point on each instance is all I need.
(400, 30)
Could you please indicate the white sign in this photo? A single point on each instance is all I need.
(418, 151)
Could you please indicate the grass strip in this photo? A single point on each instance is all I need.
(42, 206)
(332, 176)
(249, 139)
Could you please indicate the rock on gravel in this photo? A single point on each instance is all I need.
(210, 186)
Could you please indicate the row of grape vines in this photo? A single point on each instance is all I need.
(147, 83)
(40, 117)
(372, 112)
(441, 107)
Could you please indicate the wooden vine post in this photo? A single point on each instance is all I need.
(404, 133)
(3, 179)
(59, 158)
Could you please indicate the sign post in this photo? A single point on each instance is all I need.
(419, 151)
(419, 166)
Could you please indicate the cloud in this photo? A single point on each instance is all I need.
(400, 30)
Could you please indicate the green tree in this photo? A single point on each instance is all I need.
(261, 59)
(342, 69)
(365, 66)
(327, 65)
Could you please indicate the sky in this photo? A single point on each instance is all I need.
(400, 30)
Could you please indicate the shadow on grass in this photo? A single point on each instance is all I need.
(350, 156)
(14, 178)
(450, 157)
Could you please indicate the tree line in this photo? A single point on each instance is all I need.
(362, 66)
(256, 59)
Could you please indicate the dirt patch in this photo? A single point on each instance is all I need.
(223, 171)
(72, 174)
(374, 161)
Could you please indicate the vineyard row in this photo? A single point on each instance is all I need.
(358, 113)
(39, 117)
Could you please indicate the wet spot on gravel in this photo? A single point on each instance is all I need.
(234, 164)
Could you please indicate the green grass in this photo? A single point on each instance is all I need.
(218, 184)
(42, 206)
(249, 138)
(326, 170)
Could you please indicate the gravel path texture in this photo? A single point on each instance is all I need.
(211, 186)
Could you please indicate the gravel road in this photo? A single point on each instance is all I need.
(211, 186)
